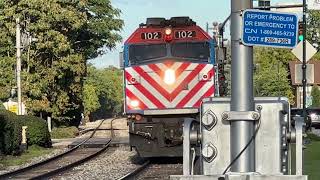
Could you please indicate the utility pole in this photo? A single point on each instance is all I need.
(304, 65)
(242, 91)
(18, 68)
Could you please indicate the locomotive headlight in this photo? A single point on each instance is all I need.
(134, 103)
(168, 31)
(169, 76)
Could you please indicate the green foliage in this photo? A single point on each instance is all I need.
(31, 152)
(271, 77)
(315, 93)
(68, 33)
(103, 92)
(11, 127)
(2, 106)
(38, 133)
(64, 132)
(91, 92)
(6, 74)
(313, 30)
(10, 133)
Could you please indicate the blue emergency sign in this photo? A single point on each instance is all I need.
(265, 28)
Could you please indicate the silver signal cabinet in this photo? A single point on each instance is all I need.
(272, 140)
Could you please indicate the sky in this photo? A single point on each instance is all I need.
(134, 12)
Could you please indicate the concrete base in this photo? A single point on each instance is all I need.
(240, 177)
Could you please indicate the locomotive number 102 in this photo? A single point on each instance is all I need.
(185, 34)
(151, 35)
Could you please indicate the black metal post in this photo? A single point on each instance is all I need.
(304, 66)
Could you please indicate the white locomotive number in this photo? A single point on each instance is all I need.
(151, 35)
(185, 34)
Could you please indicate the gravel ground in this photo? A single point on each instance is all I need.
(160, 171)
(113, 164)
(32, 161)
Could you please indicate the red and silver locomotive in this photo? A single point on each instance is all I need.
(168, 70)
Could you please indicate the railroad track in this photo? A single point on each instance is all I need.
(57, 164)
(133, 174)
(149, 170)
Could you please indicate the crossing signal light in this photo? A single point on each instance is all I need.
(300, 31)
(222, 80)
(264, 5)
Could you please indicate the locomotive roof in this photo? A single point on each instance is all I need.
(155, 27)
(173, 22)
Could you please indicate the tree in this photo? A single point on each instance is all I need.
(68, 34)
(315, 93)
(103, 94)
(271, 77)
(91, 92)
(313, 31)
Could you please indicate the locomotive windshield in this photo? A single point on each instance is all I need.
(193, 51)
(142, 52)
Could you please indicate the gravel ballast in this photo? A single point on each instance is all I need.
(113, 164)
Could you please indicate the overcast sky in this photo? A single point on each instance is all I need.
(135, 12)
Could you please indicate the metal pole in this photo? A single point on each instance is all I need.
(207, 27)
(304, 66)
(241, 91)
(18, 46)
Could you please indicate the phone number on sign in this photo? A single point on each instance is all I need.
(278, 33)
(277, 40)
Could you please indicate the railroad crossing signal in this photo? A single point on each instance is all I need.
(300, 31)
(264, 5)
(222, 80)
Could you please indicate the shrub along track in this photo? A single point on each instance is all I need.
(62, 162)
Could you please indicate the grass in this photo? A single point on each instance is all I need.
(64, 132)
(33, 151)
(312, 158)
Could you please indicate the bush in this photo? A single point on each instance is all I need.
(38, 133)
(10, 133)
(64, 132)
(2, 106)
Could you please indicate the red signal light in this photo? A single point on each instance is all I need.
(138, 117)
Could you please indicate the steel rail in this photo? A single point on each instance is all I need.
(73, 164)
(134, 173)
(22, 170)
(100, 129)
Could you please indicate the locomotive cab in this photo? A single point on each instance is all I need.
(168, 70)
